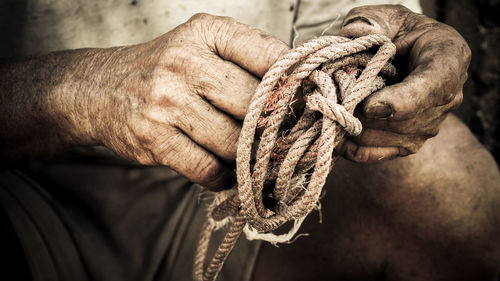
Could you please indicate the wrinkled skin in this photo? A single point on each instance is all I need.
(199, 79)
(179, 100)
(430, 216)
(196, 82)
(399, 118)
(209, 67)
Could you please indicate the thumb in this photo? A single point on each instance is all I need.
(386, 20)
(403, 100)
(379, 106)
(378, 19)
(250, 48)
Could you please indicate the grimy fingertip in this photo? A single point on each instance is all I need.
(358, 26)
(378, 110)
(367, 154)
(374, 19)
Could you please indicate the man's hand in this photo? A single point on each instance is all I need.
(399, 118)
(177, 100)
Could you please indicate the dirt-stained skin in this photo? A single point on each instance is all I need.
(399, 118)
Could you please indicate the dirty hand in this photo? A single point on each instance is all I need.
(179, 100)
(399, 118)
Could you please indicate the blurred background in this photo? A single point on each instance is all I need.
(479, 23)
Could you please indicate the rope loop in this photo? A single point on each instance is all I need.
(300, 112)
(336, 112)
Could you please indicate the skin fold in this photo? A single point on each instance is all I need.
(179, 100)
(398, 119)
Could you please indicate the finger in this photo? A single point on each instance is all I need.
(422, 124)
(248, 47)
(394, 21)
(419, 29)
(210, 128)
(378, 138)
(362, 154)
(226, 86)
(196, 163)
(438, 59)
(204, 124)
(412, 127)
(428, 85)
(379, 19)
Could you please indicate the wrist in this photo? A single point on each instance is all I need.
(85, 100)
(69, 105)
(45, 104)
(113, 83)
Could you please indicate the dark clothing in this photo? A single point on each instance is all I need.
(88, 218)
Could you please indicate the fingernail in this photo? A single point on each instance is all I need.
(359, 19)
(378, 110)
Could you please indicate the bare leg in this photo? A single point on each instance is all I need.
(431, 216)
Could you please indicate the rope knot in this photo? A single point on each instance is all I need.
(295, 146)
(335, 112)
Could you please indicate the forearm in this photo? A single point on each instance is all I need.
(44, 103)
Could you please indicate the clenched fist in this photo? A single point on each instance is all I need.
(179, 99)
(434, 59)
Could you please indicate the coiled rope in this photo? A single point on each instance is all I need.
(284, 180)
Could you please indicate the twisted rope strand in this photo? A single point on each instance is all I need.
(295, 161)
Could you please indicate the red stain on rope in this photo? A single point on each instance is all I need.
(338, 74)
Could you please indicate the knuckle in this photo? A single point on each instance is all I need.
(431, 133)
(205, 26)
(177, 59)
(404, 127)
(231, 144)
(350, 150)
(227, 20)
(206, 171)
(142, 135)
(145, 158)
(201, 17)
(360, 154)
(405, 109)
(412, 147)
(140, 131)
(467, 52)
(464, 77)
(459, 41)
(404, 152)
(402, 8)
(448, 98)
(459, 98)
(212, 21)
(446, 88)
(167, 147)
